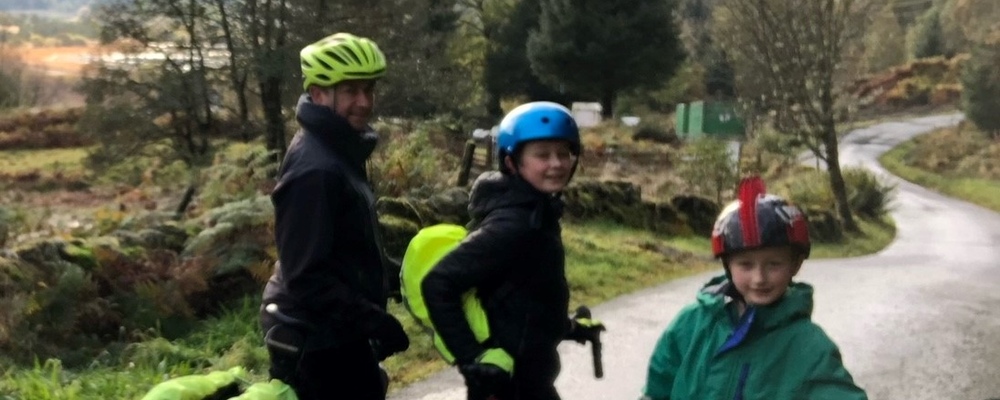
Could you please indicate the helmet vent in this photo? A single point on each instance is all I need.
(323, 77)
(324, 64)
(354, 56)
(545, 120)
(335, 57)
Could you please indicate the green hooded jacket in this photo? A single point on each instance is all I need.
(773, 352)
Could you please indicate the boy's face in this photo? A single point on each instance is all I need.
(762, 275)
(545, 164)
(351, 99)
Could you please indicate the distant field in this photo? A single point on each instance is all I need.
(64, 15)
(53, 160)
(62, 61)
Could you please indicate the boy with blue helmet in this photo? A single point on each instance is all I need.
(749, 335)
(514, 259)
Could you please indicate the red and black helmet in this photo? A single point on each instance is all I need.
(758, 220)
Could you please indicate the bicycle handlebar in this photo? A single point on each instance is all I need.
(595, 343)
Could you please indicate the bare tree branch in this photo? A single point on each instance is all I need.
(787, 55)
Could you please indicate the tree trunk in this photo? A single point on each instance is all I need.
(269, 38)
(608, 104)
(270, 97)
(837, 179)
(185, 202)
(237, 76)
(493, 109)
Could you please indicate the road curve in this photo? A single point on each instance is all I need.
(919, 320)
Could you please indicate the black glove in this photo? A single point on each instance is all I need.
(584, 329)
(485, 381)
(388, 337)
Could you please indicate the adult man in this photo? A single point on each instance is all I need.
(331, 273)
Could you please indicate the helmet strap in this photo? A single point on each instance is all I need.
(511, 163)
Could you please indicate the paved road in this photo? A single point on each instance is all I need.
(919, 320)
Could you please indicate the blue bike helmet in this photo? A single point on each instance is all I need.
(540, 120)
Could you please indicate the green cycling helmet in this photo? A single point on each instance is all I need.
(340, 57)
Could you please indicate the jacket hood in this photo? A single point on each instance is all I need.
(493, 190)
(797, 303)
(355, 146)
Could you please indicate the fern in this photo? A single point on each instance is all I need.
(237, 173)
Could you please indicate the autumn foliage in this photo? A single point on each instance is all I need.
(44, 129)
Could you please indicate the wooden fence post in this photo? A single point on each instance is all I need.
(467, 157)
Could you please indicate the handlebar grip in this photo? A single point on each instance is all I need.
(595, 343)
(595, 351)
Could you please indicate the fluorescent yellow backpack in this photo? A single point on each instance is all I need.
(425, 250)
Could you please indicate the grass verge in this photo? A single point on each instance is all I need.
(983, 192)
(875, 235)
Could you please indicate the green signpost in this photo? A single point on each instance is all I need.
(709, 119)
(712, 120)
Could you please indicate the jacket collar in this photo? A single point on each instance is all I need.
(336, 133)
(494, 190)
(797, 303)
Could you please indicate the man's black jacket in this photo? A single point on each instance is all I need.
(331, 269)
(514, 258)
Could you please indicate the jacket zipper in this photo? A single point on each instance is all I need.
(368, 194)
(742, 382)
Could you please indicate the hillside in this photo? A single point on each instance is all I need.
(56, 6)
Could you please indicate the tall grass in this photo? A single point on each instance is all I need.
(130, 371)
(978, 190)
(66, 161)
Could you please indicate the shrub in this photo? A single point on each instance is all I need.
(239, 172)
(68, 299)
(983, 164)
(807, 189)
(655, 130)
(405, 161)
(869, 196)
(926, 38)
(31, 129)
(708, 168)
(11, 223)
(981, 96)
(48, 304)
(941, 153)
(824, 227)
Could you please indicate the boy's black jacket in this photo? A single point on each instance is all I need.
(514, 258)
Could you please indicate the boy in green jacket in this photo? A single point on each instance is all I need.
(749, 334)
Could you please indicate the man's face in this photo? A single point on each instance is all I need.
(351, 99)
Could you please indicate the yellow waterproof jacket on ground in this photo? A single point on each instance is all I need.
(217, 385)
